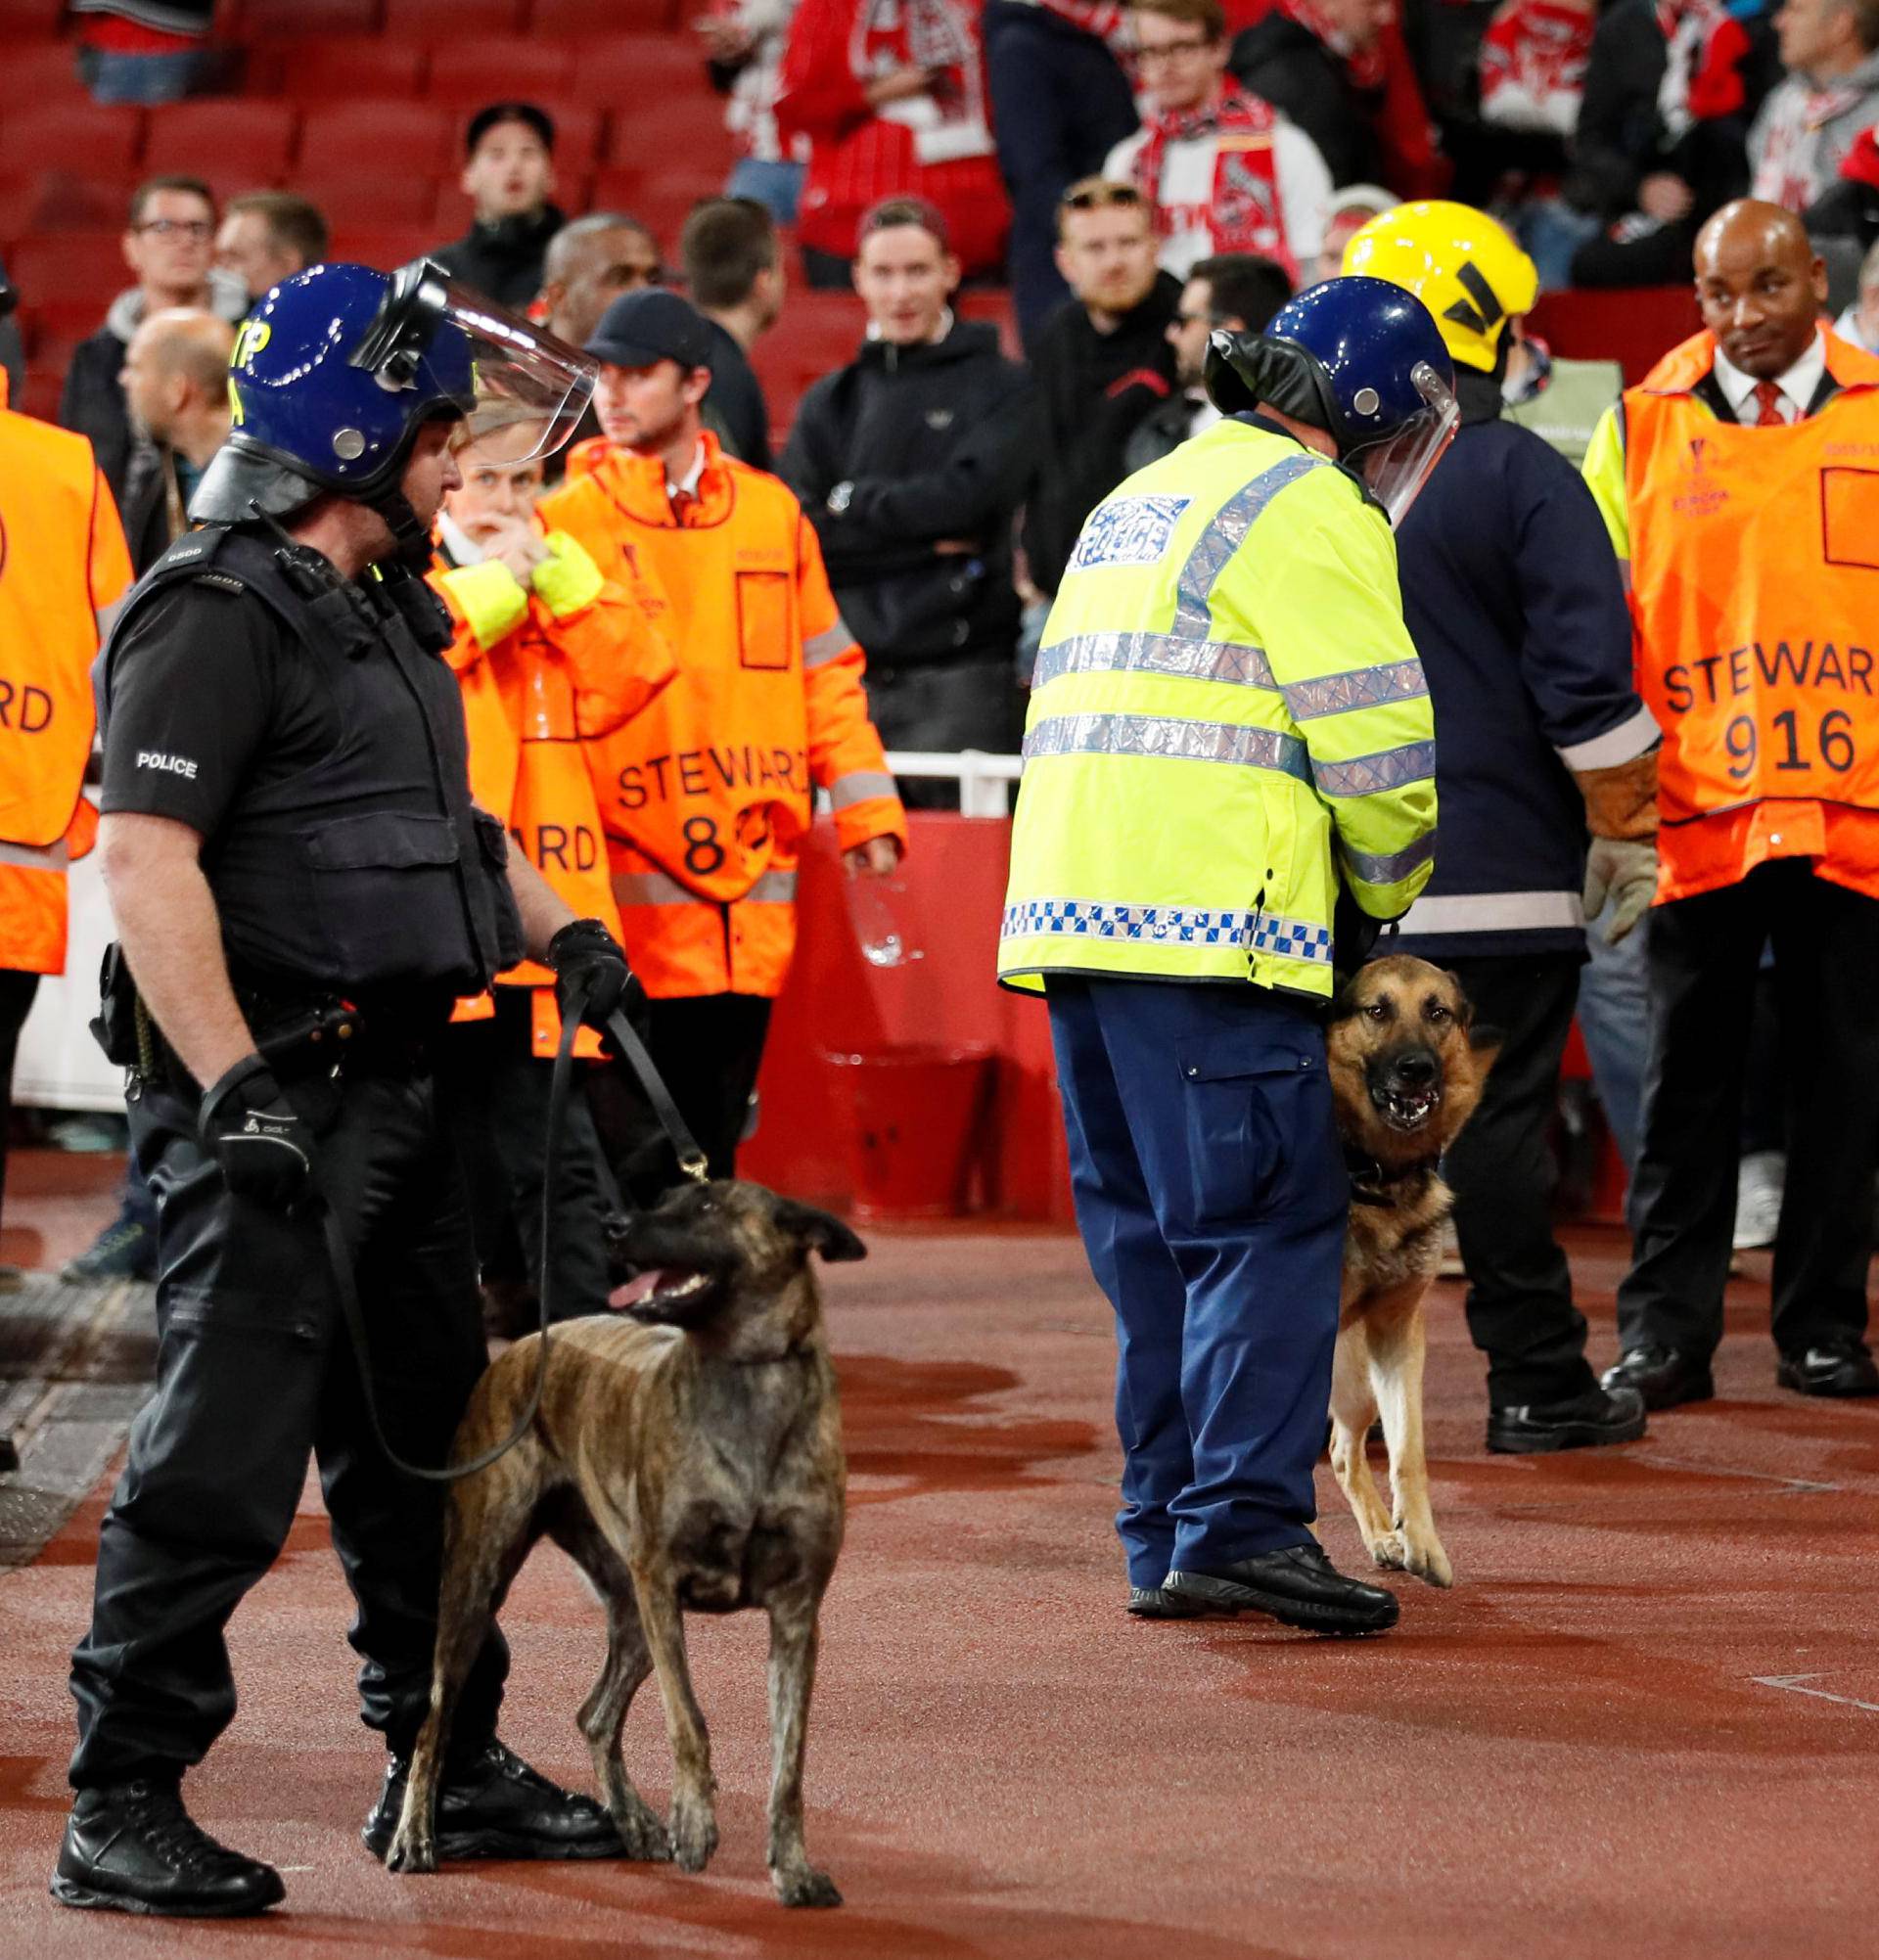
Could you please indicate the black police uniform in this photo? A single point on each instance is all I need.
(306, 728)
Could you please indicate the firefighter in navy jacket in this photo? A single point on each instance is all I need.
(1547, 779)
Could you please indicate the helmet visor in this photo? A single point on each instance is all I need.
(520, 389)
(1396, 467)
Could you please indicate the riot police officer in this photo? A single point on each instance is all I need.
(290, 847)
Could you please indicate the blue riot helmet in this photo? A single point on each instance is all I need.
(1362, 359)
(336, 370)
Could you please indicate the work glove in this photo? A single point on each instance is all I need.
(264, 1148)
(592, 979)
(1625, 870)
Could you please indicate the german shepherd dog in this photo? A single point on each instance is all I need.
(1408, 1068)
(687, 1456)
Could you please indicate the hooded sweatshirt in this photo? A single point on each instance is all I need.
(1805, 129)
(502, 258)
(93, 403)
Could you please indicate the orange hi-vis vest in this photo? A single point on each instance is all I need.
(537, 689)
(1755, 594)
(707, 796)
(63, 569)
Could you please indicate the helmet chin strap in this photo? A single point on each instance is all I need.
(411, 540)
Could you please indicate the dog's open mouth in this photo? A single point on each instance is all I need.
(1407, 1109)
(663, 1293)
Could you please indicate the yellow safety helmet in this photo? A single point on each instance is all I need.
(1462, 265)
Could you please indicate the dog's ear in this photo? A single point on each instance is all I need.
(1483, 1043)
(819, 1229)
(1464, 1007)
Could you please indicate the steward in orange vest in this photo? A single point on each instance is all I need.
(1741, 482)
(707, 796)
(63, 569)
(549, 656)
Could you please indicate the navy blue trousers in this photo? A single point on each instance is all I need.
(1212, 1197)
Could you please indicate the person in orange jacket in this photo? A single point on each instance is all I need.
(62, 567)
(549, 656)
(706, 797)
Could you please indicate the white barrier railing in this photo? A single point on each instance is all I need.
(984, 779)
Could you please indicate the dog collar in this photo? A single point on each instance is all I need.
(1371, 1184)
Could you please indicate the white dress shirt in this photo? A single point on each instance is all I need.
(1797, 386)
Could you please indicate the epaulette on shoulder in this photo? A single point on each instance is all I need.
(194, 557)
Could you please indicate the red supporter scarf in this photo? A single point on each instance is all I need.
(1245, 214)
(1364, 66)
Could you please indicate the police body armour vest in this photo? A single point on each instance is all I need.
(371, 870)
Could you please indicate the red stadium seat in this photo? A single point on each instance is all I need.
(26, 20)
(584, 19)
(818, 332)
(41, 71)
(290, 20)
(78, 135)
(433, 20)
(239, 141)
(391, 136)
(363, 197)
(385, 247)
(629, 71)
(80, 269)
(62, 200)
(476, 71)
(345, 67)
(40, 395)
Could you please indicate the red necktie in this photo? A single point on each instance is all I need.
(1767, 406)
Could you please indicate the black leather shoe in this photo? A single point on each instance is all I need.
(1834, 1368)
(134, 1848)
(1153, 1602)
(1585, 1422)
(495, 1806)
(1663, 1376)
(1299, 1587)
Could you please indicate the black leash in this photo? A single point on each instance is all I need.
(691, 1162)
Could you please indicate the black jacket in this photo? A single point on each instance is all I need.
(1622, 139)
(735, 406)
(931, 441)
(1092, 389)
(93, 406)
(1512, 595)
(1296, 73)
(503, 260)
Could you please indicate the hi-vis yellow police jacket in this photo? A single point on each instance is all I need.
(1226, 713)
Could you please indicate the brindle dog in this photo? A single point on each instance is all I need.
(1407, 1070)
(687, 1456)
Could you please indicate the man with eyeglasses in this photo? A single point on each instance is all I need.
(1239, 290)
(1222, 169)
(169, 245)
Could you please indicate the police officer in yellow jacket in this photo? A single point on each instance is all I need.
(1228, 725)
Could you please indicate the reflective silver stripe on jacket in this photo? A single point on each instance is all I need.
(825, 646)
(1496, 912)
(1634, 737)
(31, 857)
(1171, 736)
(659, 887)
(1386, 869)
(1165, 656)
(1367, 775)
(858, 786)
(1223, 536)
(1360, 687)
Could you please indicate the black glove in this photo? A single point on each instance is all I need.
(593, 974)
(265, 1150)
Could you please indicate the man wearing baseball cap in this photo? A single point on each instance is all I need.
(509, 174)
(706, 795)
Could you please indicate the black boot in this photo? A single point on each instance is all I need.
(1297, 1586)
(134, 1848)
(1589, 1421)
(495, 1806)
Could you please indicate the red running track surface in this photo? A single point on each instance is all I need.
(1574, 1753)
